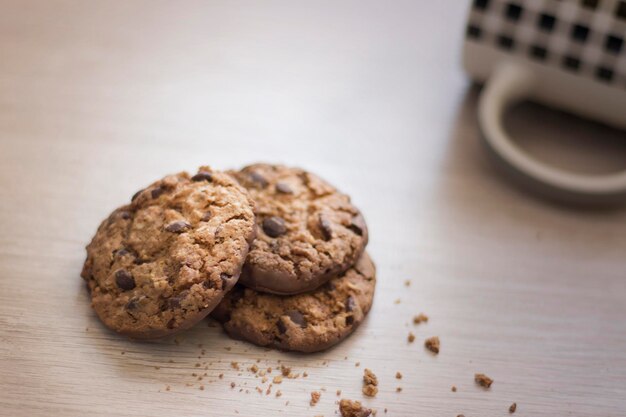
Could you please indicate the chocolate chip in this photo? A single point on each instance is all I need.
(258, 179)
(325, 227)
(206, 217)
(283, 187)
(174, 302)
(225, 279)
(356, 229)
(139, 261)
(125, 215)
(281, 326)
(121, 252)
(134, 197)
(132, 304)
(124, 280)
(208, 284)
(274, 226)
(155, 193)
(177, 227)
(202, 176)
(171, 324)
(349, 320)
(350, 304)
(297, 318)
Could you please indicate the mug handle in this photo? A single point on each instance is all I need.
(511, 83)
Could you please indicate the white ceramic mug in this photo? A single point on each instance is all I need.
(566, 54)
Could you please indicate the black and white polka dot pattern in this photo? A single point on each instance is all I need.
(585, 37)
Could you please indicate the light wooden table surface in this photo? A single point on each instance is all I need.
(97, 99)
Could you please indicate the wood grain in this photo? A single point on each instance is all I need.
(97, 99)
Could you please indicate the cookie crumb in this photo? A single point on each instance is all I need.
(398, 301)
(420, 318)
(264, 380)
(512, 408)
(157, 367)
(277, 379)
(370, 383)
(167, 388)
(234, 365)
(461, 415)
(198, 365)
(398, 375)
(399, 389)
(453, 389)
(432, 344)
(349, 408)
(338, 392)
(269, 370)
(201, 387)
(278, 393)
(483, 380)
(269, 390)
(411, 337)
(285, 370)
(221, 376)
(315, 397)
(232, 385)
(254, 369)
(304, 374)
(357, 364)
(407, 283)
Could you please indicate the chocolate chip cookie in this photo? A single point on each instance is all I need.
(308, 232)
(163, 262)
(304, 322)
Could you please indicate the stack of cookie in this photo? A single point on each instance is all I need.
(174, 254)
